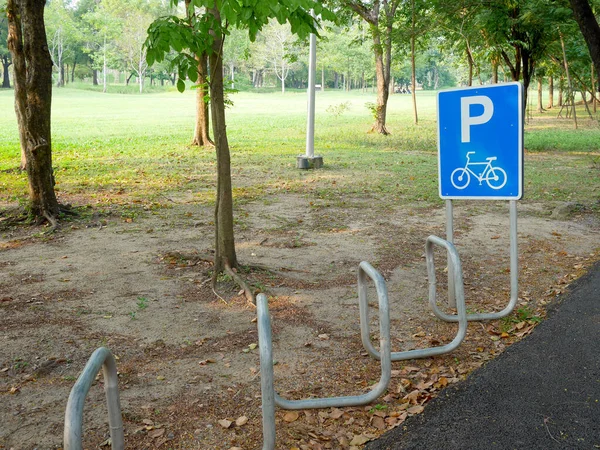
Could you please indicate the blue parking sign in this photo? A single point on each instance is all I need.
(480, 142)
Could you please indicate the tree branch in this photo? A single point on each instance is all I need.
(370, 16)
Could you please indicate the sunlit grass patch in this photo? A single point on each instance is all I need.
(120, 149)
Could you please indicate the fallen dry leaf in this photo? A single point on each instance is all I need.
(225, 423)
(241, 421)
(378, 422)
(359, 439)
(422, 385)
(442, 382)
(206, 361)
(291, 416)
(156, 433)
(417, 409)
(336, 413)
(412, 397)
(324, 337)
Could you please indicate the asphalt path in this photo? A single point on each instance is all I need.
(541, 393)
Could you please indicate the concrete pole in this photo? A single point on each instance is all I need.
(310, 123)
(309, 160)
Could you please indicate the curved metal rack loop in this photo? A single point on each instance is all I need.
(365, 270)
(101, 358)
(514, 277)
(454, 260)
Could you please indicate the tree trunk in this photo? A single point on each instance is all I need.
(224, 239)
(561, 85)
(5, 77)
(201, 134)
(589, 28)
(382, 83)
(323, 79)
(95, 77)
(33, 98)
(73, 70)
(539, 93)
(104, 69)
(550, 92)
(594, 93)
(571, 96)
(494, 71)
(528, 63)
(471, 63)
(61, 75)
(413, 71)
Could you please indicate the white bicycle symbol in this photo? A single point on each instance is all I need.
(495, 177)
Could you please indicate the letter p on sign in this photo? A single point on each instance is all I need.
(467, 120)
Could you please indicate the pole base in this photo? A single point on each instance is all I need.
(306, 162)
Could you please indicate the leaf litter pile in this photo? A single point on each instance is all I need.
(188, 356)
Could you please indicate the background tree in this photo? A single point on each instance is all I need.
(201, 136)
(4, 53)
(346, 51)
(101, 31)
(588, 24)
(521, 31)
(33, 98)
(62, 35)
(235, 52)
(276, 45)
(380, 16)
(131, 43)
(459, 22)
(206, 34)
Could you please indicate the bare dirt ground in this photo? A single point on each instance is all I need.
(187, 357)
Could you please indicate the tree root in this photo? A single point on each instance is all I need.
(243, 285)
(195, 258)
(381, 130)
(52, 221)
(67, 210)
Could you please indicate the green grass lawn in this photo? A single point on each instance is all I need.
(118, 149)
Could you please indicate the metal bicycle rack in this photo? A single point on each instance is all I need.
(266, 354)
(101, 358)
(461, 317)
(514, 268)
(270, 398)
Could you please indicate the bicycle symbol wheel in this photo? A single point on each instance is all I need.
(460, 178)
(496, 178)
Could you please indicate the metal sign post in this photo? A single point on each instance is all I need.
(480, 156)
